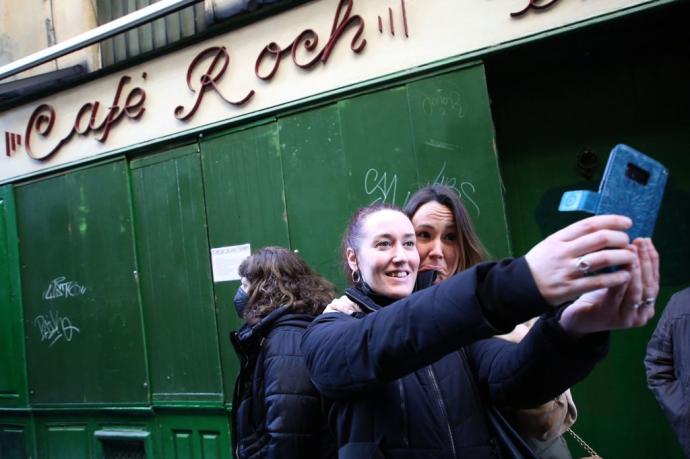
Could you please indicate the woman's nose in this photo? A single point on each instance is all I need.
(436, 249)
(399, 255)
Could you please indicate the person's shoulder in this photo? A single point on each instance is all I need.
(291, 323)
(335, 316)
(285, 337)
(683, 296)
(679, 304)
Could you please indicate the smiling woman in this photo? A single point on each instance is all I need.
(411, 375)
(386, 240)
(437, 239)
(448, 248)
(446, 239)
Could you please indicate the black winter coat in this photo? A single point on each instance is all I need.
(668, 365)
(276, 411)
(410, 380)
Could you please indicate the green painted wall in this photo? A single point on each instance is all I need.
(245, 203)
(74, 435)
(17, 437)
(82, 316)
(175, 278)
(623, 82)
(189, 436)
(13, 386)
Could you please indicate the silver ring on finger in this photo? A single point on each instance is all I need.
(583, 265)
(647, 302)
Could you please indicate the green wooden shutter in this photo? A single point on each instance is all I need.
(175, 277)
(12, 442)
(317, 190)
(194, 436)
(245, 203)
(454, 145)
(12, 360)
(82, 316)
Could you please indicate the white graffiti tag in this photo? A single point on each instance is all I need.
(381, 185)
(464, 190)
(53, 327)
(59, 288)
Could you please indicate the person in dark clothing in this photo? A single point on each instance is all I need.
(276, 411)
(668, 365)
(448, 244)
(406, 377)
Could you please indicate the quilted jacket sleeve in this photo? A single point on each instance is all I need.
(292, 405)
(347, 355)
(668, 374)
(543, 365)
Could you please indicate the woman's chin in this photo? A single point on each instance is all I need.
(395, 291)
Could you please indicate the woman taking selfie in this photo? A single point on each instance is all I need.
(394, 381)
(276, 410)
(447, 244)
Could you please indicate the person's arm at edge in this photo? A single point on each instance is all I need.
(659, 364)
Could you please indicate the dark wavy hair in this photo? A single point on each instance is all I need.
(279, 277)
(353, 233)
(471, 249)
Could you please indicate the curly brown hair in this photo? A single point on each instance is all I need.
(278, 277)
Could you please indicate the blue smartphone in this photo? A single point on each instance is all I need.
(633, 185)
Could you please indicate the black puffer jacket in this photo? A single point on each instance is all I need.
(399, 384)
(276, 411)
(668, 365)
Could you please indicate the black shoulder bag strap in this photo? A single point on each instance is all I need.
(510, 442)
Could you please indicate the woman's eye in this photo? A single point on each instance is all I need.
(451, 237)
(423, 235)
(383, 244)
(409, 243)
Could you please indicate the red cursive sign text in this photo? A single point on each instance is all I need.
(43, 118)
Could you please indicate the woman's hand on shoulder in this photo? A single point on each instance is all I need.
(343, 305)
(560, 263)
(624, 306)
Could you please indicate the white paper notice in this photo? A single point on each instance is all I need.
(226, 261)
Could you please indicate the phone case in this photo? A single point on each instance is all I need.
(633, 185)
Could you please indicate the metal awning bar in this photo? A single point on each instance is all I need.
(119, 25)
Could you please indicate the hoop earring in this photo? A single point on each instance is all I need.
(356, 277)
